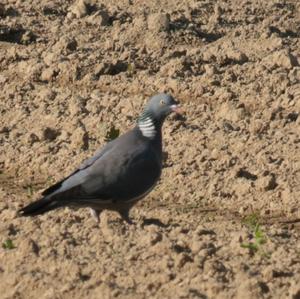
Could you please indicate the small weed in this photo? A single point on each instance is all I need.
(29, 190)
(251, 221)
(259, 238)
(112, 133)
(8, 244)
(50, 179)
(130, 68)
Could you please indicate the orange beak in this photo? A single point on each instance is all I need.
(177, 109)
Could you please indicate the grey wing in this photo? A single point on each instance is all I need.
(77, 176)
(123, 177)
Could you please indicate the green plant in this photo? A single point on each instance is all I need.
(259, 238)
(8, 244)
(112, 133)
(29, 190)
(50, 179)
(130, 68)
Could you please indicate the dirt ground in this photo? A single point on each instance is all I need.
(224, 220)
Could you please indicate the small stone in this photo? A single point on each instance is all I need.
(229, 112)
(77, 105)
(209, 69)
(101, 18)
(96, 94)
(78, 10)
(281, 58)
(159, 22)
(93, 106)
(214, 154)
(196, 246)
(49, 58)
(80, 139)
(48, 74)
(237, 56)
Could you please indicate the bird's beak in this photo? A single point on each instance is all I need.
(177, 109)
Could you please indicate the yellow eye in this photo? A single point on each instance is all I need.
(162, 102)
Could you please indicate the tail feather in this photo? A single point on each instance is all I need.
(39, 207)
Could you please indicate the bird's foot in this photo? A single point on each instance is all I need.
(129, 221)
(95, 214)
(125, 217)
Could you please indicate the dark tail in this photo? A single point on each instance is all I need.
(39, 207)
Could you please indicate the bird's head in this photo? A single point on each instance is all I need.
(161, 105)
(157, 109)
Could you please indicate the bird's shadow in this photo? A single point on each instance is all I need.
(154, 221)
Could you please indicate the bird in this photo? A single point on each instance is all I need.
(120, 173)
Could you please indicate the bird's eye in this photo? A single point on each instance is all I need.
(162, 102)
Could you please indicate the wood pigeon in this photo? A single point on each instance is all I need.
(122, 172)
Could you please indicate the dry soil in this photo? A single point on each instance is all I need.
(223, 221)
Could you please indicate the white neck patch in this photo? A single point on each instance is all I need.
(147, 127)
